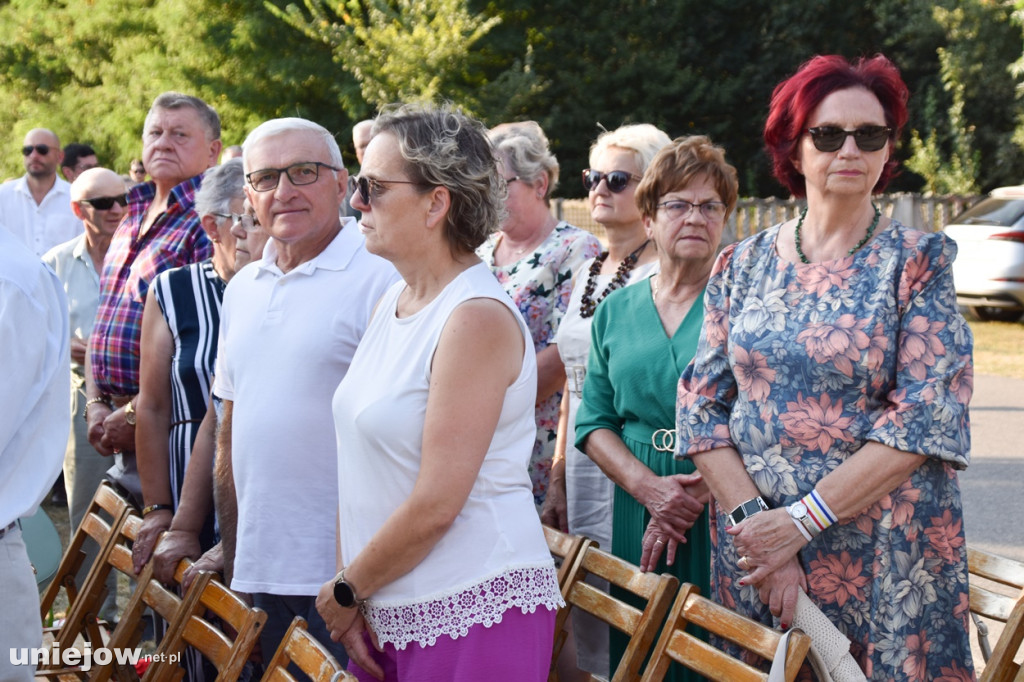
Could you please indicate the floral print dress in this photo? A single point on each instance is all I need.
(797, 368)
(540, 283)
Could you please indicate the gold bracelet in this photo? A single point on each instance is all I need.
(101, 399)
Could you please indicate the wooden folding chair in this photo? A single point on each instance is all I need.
(989, 603)
(309, 655)
(565, 548)
(685, 648)
(226, 639)
(641, 626)
(103, 517)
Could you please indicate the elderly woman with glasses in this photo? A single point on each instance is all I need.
(444, 571)
(179, 345)
(643, 336)
(534, 256)
(827, 404)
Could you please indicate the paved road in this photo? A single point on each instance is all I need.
(993, 485)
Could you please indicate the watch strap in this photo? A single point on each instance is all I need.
(746, 509)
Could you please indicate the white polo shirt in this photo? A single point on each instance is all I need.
(41, 226)
(286, 341)
(75, 269)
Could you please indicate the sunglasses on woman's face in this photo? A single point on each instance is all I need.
(867, 138)
(617, 180)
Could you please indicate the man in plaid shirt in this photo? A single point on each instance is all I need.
(181, 139)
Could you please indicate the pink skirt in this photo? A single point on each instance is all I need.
(518, 648)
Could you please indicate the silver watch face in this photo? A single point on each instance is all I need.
(798, 510)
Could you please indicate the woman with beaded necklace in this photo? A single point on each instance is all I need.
(533, 256)
(580, 495)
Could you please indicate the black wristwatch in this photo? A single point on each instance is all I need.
(748, 508)
(345, 593)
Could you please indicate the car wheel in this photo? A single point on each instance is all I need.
(989, 314)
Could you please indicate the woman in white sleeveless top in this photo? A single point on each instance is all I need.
(442, 558)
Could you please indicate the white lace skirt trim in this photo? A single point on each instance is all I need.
(453, 613)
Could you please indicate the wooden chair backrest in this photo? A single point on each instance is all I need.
(989, 603)
(566, 548)
(640, 625)
(309, 655)
(685, 648)
(227, 652)
(102, 518)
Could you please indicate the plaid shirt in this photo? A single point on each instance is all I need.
(175, 238)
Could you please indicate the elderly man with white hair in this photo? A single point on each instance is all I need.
(290, 324)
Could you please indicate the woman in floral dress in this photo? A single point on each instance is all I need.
(534, 256)
(826, 406)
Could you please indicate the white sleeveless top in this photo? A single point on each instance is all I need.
(494, 556)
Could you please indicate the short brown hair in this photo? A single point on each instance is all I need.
(675, 166)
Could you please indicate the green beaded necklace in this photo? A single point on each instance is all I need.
(862, 242)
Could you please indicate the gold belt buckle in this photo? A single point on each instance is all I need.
(666, 438)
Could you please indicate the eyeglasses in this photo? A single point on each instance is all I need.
(305, 173)
(43, 149)
(867, 138)
(371, 188)
(617, 180)
(249, 222)
(679, 208)
(106, 203)
(509, 181)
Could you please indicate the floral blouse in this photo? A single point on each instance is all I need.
(540, 283)
(797, 368)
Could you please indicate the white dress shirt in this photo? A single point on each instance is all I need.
(40, 226)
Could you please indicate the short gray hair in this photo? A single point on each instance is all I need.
(278, 126)
(443, 147)
(525, 147)
(221, 185)
(177, 100)
(643, 139)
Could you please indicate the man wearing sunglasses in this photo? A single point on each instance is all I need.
(78, 158)
(36, 206)
(160, 231)
(98, 200)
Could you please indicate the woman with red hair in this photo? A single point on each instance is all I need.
(826, 406)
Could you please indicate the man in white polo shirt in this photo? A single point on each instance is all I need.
(289, 326)
(34, 420)
(37, 206)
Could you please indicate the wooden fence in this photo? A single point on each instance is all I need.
(928, 213)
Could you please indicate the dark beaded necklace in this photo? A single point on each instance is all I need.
(862, 242)
(587, 304)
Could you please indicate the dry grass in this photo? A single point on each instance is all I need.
(998, 348)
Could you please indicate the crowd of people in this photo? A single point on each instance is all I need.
(358, 398)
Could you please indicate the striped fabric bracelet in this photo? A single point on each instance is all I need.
(818, 511)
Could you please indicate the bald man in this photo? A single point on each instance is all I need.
(36, 206)
(361, 138)
(98, 201)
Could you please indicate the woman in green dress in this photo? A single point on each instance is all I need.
(641, 340)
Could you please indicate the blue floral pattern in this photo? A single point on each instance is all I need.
(797, 367)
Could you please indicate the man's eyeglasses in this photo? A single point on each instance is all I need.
(679, 208)
(305, 173)
(867, 138)
(106, 203)
(248, 222)
(617, 180)
(371, 188)
(43, 149)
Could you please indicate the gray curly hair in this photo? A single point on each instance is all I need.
(525, 147)
(443, 147)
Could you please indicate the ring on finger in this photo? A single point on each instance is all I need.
(745, 563)
(658, 542)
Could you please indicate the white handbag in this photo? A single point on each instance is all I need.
(829, 655)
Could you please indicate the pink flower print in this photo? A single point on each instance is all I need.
(836, 579)
(752, 373)
(716, 329)
(821, 277)
(915, 275)
(921, 346)
(903, 501)
(816, 424)
(879, 343)
(838, 343)
(916, 664)
(954, 673)
(944, 536)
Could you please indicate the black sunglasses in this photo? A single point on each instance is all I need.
(617, 180)
(43, 149)
(369, 188)
(867, 138)
(106, 203)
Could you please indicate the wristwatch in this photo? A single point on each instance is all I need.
(345, 592)
(798, 510)
(129, 413)
(748, 508)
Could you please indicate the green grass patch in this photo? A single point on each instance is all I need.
(998, 348)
